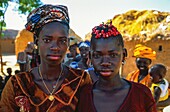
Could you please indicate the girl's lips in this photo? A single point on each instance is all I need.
(53, 57)
(105, 73)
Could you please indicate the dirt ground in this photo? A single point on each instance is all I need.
(9, 61)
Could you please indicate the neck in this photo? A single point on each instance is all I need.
(109, 85)
(143, 72)
(50, 72)
(84, 60)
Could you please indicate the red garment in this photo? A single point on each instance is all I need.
(139, 99)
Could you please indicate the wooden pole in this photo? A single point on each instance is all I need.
(2, 23)
(1, 49)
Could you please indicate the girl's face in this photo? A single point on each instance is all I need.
(53, 43)
(106, 57)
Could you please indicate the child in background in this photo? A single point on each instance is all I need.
(84, 48)
(9, 71)
(160, 85)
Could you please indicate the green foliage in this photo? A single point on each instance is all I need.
(2, 35)
(3, 5)
(2, 23)
(25, 6)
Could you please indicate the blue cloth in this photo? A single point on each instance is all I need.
(74, 64)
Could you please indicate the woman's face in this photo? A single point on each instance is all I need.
(73, 50)
(84, 51)
(143, 63)
(29, 48)
(106, 57)
(53, 43)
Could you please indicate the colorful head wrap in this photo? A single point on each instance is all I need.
(46, 14)
(84, 44)
(142, 51)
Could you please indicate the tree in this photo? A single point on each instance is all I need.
(25, 6)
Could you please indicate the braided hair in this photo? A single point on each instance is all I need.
(106, 31)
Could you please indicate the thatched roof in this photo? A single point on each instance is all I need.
(142, 25)
(9, 34)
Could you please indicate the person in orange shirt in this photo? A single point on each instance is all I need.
(144, 56)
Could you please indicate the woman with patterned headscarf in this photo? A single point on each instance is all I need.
(52, 86)
(144, 56)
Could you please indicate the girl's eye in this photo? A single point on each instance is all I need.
(113, 55)
(46, 40)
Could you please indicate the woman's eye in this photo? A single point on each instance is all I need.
(46, 40)
(63, 41)
(96, 55)
(139, 62)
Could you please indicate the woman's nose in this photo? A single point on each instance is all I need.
(54, 46)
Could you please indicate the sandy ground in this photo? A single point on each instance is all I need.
(10, 62)
(166, 109)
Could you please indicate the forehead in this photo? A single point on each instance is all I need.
(54, 28)
(30, 45)
(156, 68)
(142, 59)
(73, 46)
(106, 44)
(84, 47)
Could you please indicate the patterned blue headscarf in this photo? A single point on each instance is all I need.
(46, 14)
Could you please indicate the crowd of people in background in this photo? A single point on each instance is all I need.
(3, 80)
(88, 72)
